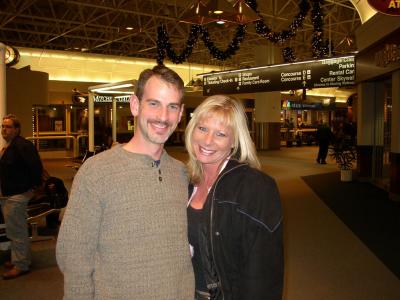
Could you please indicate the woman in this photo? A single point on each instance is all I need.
(234, 211)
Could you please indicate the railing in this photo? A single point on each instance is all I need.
(299, 136)
(75, 140)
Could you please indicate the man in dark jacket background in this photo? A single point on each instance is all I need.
(20, 172)
(324, 136)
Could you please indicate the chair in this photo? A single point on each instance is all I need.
(37, 212)
(77, 163)
(53, 200)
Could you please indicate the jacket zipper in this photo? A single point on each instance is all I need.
(211, 225)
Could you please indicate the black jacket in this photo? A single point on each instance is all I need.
(244, 248)
(20, 167)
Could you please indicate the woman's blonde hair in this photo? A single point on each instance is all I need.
(231, 112)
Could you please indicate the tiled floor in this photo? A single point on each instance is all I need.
(323, 259)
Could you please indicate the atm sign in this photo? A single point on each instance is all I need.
(388, 7)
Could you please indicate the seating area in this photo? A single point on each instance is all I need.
(44, 208)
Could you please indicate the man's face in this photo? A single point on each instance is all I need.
(159, 111)
(8, 131)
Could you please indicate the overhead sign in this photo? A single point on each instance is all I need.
(307, 106)
(332, 72)
(109, 99)
(388, 7)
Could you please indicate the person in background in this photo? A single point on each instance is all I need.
(124, 232)
(234, 210)
(324, 136)
(20, 173)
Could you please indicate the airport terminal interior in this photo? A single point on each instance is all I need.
(68, 69)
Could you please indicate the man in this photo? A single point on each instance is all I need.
(323, 136)
(20, 172)
(124, 233)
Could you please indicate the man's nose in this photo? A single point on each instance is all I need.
(163, 114)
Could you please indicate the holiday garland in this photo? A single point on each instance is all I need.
(320, 48)
(165, 47)
(281, 37)
(288, 55)
(232, 48)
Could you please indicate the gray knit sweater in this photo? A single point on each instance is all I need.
(124, 232)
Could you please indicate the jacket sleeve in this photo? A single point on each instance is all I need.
(78, 238)
(30, 156)
(262, 245)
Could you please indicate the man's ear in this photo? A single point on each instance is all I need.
(181, 112)
(134, 105)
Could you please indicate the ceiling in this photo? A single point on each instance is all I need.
(99, 26)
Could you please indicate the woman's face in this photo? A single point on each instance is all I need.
(212, 140)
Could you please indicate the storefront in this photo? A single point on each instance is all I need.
(378, 78)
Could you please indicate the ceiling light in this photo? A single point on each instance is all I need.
(197, 14)
(112, 87)
(100, 91)
(244, 13)
(213, 11)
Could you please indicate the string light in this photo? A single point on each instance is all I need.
(320, 47)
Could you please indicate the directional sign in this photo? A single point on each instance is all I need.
(332, 72)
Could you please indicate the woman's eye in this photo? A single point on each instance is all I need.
(221, 134)
(201, 128)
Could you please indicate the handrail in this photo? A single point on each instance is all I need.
(53, 137)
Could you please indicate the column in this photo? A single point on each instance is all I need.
(267, 120)
(394, 187)
(370, 129)
(267, 105)
(3, 95)
(114, 119)
(91, 121)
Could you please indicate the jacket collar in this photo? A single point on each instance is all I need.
(232, 164)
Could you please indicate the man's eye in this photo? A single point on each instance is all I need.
(152, 103)
(174, 107)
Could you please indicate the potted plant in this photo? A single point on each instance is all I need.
(344, 152)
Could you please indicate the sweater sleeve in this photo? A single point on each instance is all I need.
(262, 234)
(78, 238)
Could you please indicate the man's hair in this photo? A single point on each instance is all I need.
(162, 72)
(231, 112)
(15, 120)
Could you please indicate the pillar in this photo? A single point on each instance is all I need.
(114, 119)
(394, 186)
(267, 120)
(3, 98)
(267, 105)
(370, 129)
(91, 121)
